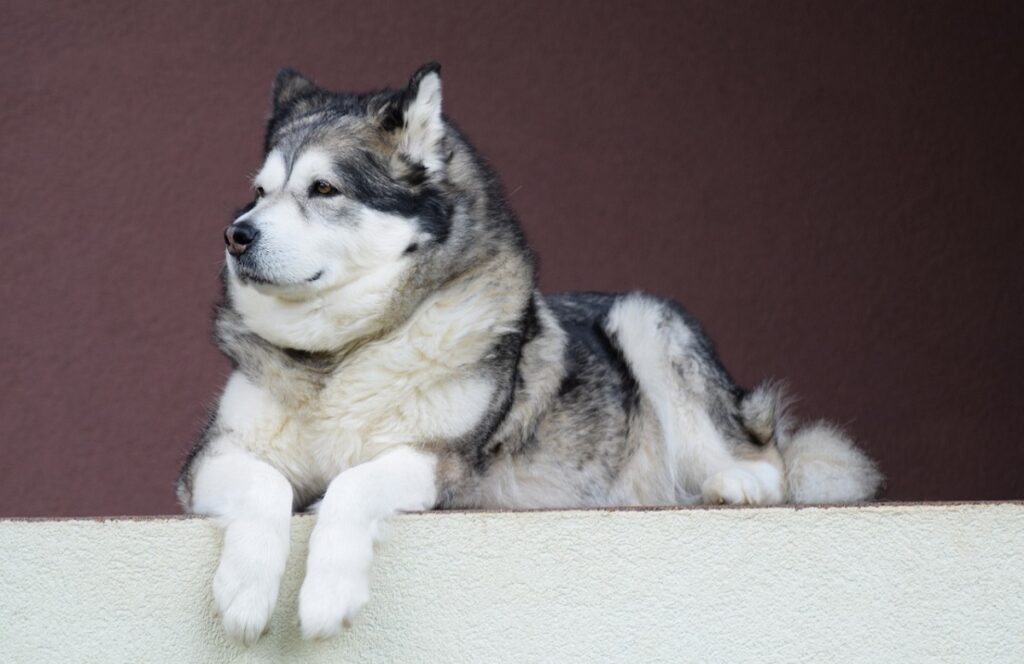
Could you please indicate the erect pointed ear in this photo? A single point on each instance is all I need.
(289, 86)
(416, 115)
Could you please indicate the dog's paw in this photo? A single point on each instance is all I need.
(337, 581)
(328, 601)
(245, 596)
(246, 582)
(756, 484)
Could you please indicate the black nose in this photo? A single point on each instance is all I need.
(239, 236)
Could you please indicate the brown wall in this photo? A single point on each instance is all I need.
(835, 188)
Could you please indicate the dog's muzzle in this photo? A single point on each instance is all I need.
(239, 236)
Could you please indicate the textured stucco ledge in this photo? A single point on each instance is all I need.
(881, 583)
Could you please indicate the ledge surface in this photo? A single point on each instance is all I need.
(879, 583)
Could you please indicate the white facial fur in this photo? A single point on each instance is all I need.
(331, 265)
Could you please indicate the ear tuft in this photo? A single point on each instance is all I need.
(423, 72)
(421, 124)
(289, 85)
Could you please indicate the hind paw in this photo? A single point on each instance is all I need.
(756, 484)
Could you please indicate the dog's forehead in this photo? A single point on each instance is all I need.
(315, 153)
(329, 132)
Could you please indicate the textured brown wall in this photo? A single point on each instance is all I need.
(835, 188)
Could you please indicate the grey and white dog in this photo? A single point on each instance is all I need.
(391, 352)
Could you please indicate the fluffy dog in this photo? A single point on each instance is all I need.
(391, 352)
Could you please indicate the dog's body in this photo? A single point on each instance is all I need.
(392, 353)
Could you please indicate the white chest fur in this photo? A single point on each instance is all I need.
(418, 384)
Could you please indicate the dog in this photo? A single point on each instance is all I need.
(391, 352)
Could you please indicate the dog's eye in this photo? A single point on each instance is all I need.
(321, 188)
(260, 193)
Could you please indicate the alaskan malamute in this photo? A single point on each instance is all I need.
(392, 353)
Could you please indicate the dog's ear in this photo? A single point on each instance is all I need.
(289, 85)
(415, 114)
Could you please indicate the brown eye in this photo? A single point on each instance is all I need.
(321, 188)
(260, 193)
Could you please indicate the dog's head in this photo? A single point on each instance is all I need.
(354, 207)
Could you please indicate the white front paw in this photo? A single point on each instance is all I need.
(337, 578)
(329, 601)
(245, 593)
(247, 580)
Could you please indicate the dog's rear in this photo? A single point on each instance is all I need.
(822, 464)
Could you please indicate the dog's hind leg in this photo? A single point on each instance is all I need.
(707, 451)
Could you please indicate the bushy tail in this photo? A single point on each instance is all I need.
(822, 464)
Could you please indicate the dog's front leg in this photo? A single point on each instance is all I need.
(253, 502)
(348, 521)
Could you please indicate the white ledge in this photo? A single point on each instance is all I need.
(883, 583)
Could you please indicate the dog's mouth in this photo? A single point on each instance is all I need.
(251, 275)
